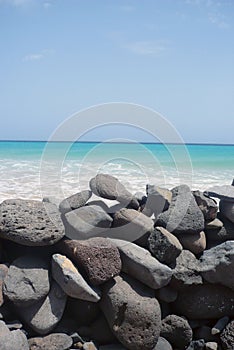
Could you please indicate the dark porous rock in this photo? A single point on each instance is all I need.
(164, 246)
(177, 331)
(227, 209)
(83, 312)
(129, 225)
(132, 313)
(140, 264)
(27, 280)
(197, 345)
(30, 222)
(158, 200)
(109, 187)
(221, 234)
(207, 205)
(183, 215)
(205, 301)
(163, 344)
(99, 258)
(15, 340)
(75, 201)
(187, 270)
(227, 336)
(70, 279)
(54, 341)
(86, 222)
(217, 264)
(166, 294)
(225, 192)
(195, 242)
(45, 314)
(220, 325)
(3, 273)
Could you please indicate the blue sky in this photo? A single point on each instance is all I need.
(60, 56)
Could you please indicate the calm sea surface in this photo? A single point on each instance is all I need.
(35, 169)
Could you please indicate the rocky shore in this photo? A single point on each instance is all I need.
(152, 271)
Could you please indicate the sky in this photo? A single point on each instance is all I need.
(62, 56)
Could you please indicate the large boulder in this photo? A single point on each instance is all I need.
(207, 205)
(227, 337)
(54, 341)
(75, 201)
(140, 264)
(177, 331)
(184, 215)
(158, 200)
(132, 312)
(109, 187)
(14, 340)
(30, 222)
(227, 209)
(222, 233)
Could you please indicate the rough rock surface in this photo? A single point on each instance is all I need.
(158, 200)
(14, 340)
(207, 205)
(75, 201)
(54, 341)
(3, 273)
(221, 234)
(27, 280)
(195, 242)
(71, 281)
(164, 246)
(227, 336)
(99, 258)
(140, 264)
(227, 209)
(109, 187)
(177, 331)
(163, 344)
(132, 313)
(30, 222)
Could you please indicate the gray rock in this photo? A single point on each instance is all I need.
(184, 215)
(177, 331)
(54, 341)
(208, 301)
(86, 222)
(227, 337)
(52, 200)
(222, 192)
(109, 187)
(195, 242)
(196, 345)
(3, 273)
(82, 312)
(129, 225)
(220, 325)
(158, 200)
(112, 347)
(214, 224)
(89, 346)
(132, 313)
(217, 264)
(163, 344)
(166, 294)
(204, 332)
(75, 201)
(27, 280)
(227, 209)
(4, 330)
(207, 205)
(139, 263)
(15, 340)
(211, 345)
(164, 246)
(221, 234)
(45, 314)
(99, 258)
(30, 222)
(187, 270)
(101, 204)
(71, 281)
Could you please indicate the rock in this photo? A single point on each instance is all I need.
(83, 312)
(221, 234)
(132, 313)
(75, 201)
(139, 263)
(163, 344)
(45, 314)
(177, 331)
(217, 264)
(86, 222)
(27, 280)
(129, 225)
(167, 294)
(220, 325)
(214, 224)
(164, 246)
(196, 345)
(3, 273)
(211, 346)
(71, 281)
(30, 222)
(205, 302)
(227, 336)
(107, 186)
(15, 340)
(184, 215)
(100, 204)
(227, 209)
(112, 347)
(52, 200)
(158, 200)
(99, 258)
(54, 341)
(225, 192)
(205, 332)
(89, 346)
(187, 270)
(3, 329)
(207, 205)
(195, 242)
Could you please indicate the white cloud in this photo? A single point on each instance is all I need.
(145, 48)
(37, 56)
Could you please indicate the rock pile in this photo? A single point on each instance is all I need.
(154, 272)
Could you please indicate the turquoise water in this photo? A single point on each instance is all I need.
(35, 169)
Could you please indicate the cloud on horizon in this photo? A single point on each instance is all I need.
(145, 48)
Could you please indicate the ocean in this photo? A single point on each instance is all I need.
(33, 170)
